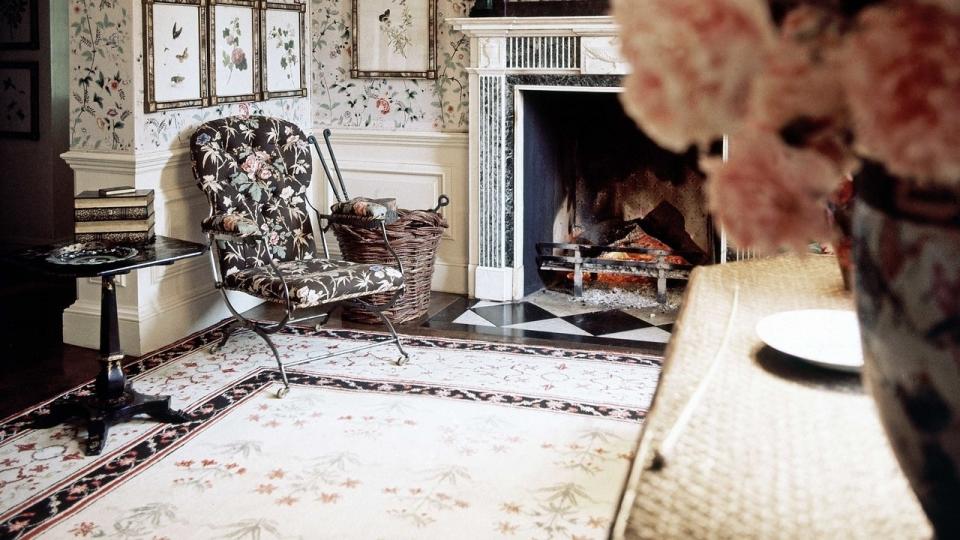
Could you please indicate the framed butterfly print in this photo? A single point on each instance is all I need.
(175, 54)
(395, 38)
(234, 51)
(19, 100)
(282, 32)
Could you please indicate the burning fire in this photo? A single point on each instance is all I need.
(617, 280)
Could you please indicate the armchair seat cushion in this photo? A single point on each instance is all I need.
(312, 282)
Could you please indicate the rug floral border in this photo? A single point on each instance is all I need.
(103, 475)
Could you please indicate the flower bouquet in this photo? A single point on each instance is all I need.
(807, 93)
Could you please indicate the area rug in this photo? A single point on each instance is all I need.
(468, 440)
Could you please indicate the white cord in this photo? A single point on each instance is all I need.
(661, 455)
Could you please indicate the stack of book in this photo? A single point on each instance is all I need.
(118, 215)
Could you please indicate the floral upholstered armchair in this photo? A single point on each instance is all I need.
(256, 174)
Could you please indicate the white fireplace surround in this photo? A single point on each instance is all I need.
(510, 55)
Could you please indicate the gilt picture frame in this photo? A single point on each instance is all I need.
(19, 25)
(234, 45)
(175, 54)
(394, 39)
(19, 100)
(282, 35)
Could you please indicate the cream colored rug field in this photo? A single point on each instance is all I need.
(468, 440)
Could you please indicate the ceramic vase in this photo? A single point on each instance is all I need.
(907, 287)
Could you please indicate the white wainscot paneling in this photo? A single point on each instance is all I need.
(162, 304)
(414, 168)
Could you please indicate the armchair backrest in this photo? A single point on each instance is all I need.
(257, 167)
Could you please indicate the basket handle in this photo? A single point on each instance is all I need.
(442, 201)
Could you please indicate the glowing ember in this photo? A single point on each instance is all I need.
(637, 238)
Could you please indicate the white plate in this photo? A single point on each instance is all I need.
(826, 337)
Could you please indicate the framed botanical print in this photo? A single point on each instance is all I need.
(395, 38)
(19, 100)
(281, 35)
(19, 26)
(175, 54)
(234, 51)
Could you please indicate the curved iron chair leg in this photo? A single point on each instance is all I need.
(242, 323)
(379, 310)
(405, 357)
(283, 372)
(234, 327)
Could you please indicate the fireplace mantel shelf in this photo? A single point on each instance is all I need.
(535, 26)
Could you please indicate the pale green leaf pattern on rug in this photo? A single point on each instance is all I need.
(403, 481)
(362, 464)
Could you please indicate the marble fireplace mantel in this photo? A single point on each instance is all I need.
(509, 55)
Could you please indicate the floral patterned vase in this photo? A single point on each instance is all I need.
(907, 264)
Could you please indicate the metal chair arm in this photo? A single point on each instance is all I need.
(214, 237)
(276, 270)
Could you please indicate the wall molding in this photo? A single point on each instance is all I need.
(439, 174)
(415, 167)
(594, 25)
(423, 139)
(125, 162)
(162, 304)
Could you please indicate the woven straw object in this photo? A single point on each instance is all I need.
(414, 236)
(770, 448)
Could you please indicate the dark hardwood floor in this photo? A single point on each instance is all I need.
(35, 363)
(45, 367)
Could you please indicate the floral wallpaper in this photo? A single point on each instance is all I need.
(171, 129)
(106, 105)
(106, 110)
(416, 104)
(101, 65)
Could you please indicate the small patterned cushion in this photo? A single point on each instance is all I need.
(364, 207)
(315, 281)
(237, 224)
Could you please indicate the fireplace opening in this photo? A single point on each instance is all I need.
(604, 207)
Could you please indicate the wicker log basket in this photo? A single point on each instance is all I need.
(414, 237)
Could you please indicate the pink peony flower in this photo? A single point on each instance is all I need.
(243, 110)
(949, 5)
(237, 56)
(383, 105)
(902, 78)
(251, 165)
(769, 195)
(264, 173)
(798, 91)
(799, 75)
(693, 62)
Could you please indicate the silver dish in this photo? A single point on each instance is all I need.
(90, 253)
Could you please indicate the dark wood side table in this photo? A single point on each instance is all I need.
(114, 399)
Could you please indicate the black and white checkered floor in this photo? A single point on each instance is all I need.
(542, 316)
